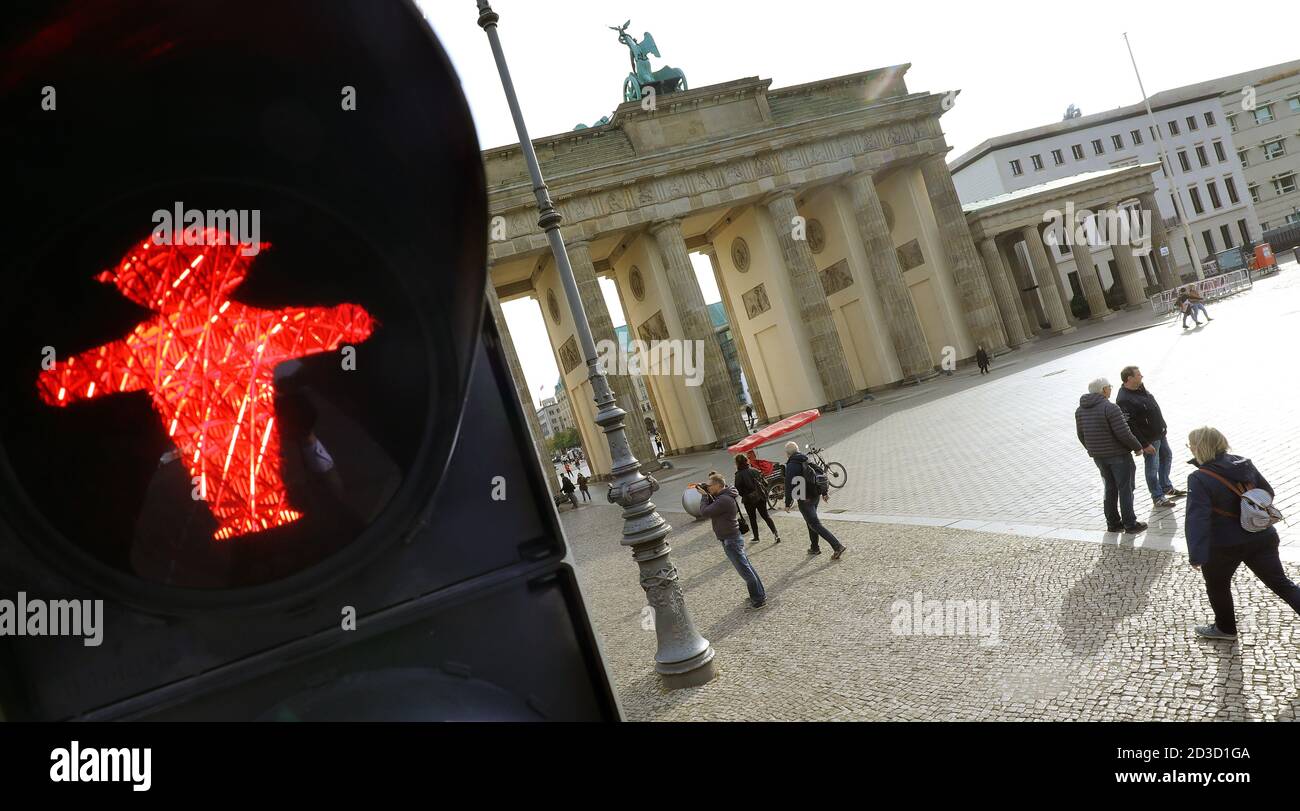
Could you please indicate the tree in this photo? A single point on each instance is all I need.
(563, 440)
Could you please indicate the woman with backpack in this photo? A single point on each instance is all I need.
(753, 494)
(1229, 522)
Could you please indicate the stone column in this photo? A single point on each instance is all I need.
(828, 354)
(1027, 303)
(1088, 278)
(1002, 288)
(602, 330)
(1130, 275)
(722, 400)
(1063, 288)
(755, 396)
(977, 296)
(1047, 288)
(895, 299)
(522, 390)
(1160, 239)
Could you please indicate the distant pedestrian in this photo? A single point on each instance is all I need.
(1217, 543)
(801, 481)
(567, 469)
(1197, 303)
(721, 507)
(753, 494)
(749, 416)
(566, 485)
(1103, 432)
(582, 485)
(1147, 423)
(982, 360)
(659, 445)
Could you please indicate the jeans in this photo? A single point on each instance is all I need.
(1261, 558)
(808, 509)
(754, 511)
(1157, 467)
(735, 549)
(1119, 473)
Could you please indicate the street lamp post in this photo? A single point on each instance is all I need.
(684, 658)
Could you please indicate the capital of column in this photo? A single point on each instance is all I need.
(660, 225)
(790, 193)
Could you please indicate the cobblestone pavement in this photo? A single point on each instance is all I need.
(1098, 630)
(999, 452)
(1084, 631)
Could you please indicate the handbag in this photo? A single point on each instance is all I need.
(1257, 512)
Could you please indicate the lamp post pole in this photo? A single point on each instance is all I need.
(684, 658)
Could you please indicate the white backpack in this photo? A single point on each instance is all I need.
(1257, 510)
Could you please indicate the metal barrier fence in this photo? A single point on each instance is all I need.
(1215, 287)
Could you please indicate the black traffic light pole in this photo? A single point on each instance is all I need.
(684, 658)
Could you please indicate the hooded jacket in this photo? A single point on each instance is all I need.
(1143, 414)
(794, 469)
(721, 510)
(1102, 429)
(1206, 528)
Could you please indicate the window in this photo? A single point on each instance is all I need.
(1274, 149)
(1037, 161)
(1016, 171)
(1213, 189)
(1294, 104)
(1292, 218)
(1232, 122)
(1195, 194)
(1243, 155)
(1173, 128)
(1284, 184)
(1191, 123)
(1118, 141)
(1231, 186)
(1226, 233)
(1253, 188)
(1220, 152)
(1077, 151)
(1154, 136)
(1135, 136)
(1097, 148)
(1208, 236)
(1245, 232)
(1209, 118)
(1182, 160)
(1057, 157)
(1263, 114)
(1200, 155)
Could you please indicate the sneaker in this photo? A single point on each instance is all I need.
(1114, 527)
(1174, 492)
(1136, 528)
(839, 553)
(1213, 632)
(755, 606)
(1165, 504)
(777, 540)
(814, 551)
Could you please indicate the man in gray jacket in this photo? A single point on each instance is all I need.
(1105, 434)
(721, 506)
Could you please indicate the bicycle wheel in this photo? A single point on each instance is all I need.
(775, 495)
(836, 475)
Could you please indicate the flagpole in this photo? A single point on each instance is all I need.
(1169, 170)
(684, 658)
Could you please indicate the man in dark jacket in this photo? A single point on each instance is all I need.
(566, 485)
(1106, 436)
(721, 505)
(1216, 542)
(1147, 423)
(982, 360)
(800, 484)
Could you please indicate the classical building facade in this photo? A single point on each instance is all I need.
(837, 239)
(1265, 124)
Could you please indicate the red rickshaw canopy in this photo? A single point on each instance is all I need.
(775, 431)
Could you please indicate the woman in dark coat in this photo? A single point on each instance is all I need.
(753, 494)
(982, 360)
(1216, 542)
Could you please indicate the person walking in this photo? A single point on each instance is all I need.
(1147, 423)
(1106, 437)
(582, 486)
(567, 468)
(982, 360)
(749, 417)
(659, 445)
(753, 494)
(800, 481)
(1217, 544)
(1196, 302)
(721, 507)
(566, 485)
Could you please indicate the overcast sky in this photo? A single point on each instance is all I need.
(1018, 64)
